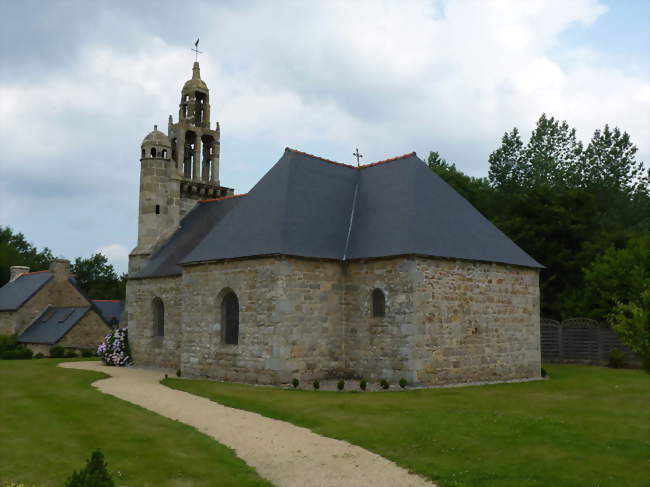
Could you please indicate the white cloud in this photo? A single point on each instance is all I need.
(388, 77)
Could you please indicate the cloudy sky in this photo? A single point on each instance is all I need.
(81, 83)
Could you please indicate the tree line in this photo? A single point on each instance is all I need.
(581, 211)
(94, 275)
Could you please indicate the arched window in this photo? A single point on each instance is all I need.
(142, 154)
(164, 154)
(153, 152)
(230, 319)
(378, 303)
(158, 309)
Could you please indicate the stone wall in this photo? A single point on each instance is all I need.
(55, 292)
(87, 333)
(146, 348)
(475, 322)
(446, 321)
(380, 347)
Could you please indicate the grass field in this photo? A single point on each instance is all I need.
(51, 419)
(587, 426)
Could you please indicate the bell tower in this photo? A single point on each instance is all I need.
(177, 170)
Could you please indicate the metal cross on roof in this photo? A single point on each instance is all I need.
(196, 50)
(357, 155)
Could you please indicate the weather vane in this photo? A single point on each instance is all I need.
(357, 155)
(196, 50)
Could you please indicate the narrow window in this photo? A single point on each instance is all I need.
(157, 209)
(378, 303)
(164, 154)
(142, 157)
(230, 318)
(153, 152)
(158, 317)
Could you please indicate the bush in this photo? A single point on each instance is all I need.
(616, 359)
(295, 382)
(95, 474)
(316, 384)
(384, 384)
(631, 322)
(86, 353)
(340, 385)
(543, 372)
(8, 342)
(10, 349)
(114, 350)
(57, 351)
(70, 354)
(402, 382)
(20, 353)
(363, 384)
(39, 355)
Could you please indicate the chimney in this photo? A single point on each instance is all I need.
(15, 271)
(60, 269)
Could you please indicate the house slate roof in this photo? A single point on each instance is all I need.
(306, 206)
(52, 324)
(111, 310)
(15, 293)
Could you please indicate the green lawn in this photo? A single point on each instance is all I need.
(51, 419)
(587, 426)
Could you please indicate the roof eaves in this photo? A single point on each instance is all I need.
(212, 200)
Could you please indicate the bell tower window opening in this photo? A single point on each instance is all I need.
(157, 209)
(153, 152)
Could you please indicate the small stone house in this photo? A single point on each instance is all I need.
(46, 308)
(323, 270)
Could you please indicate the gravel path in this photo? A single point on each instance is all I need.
(287, 455)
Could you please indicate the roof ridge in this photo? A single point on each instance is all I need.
(392, 159)
(363, 166)
(33, 272)
(210, 200)
(319, 158)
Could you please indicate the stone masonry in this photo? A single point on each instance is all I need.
(446, 321)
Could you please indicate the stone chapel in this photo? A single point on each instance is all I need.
(323, 270)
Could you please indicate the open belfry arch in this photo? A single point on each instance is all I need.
(177, 169)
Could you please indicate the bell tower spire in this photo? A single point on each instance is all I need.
(177, 169)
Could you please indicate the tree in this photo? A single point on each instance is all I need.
(609, 163)
(552, 157)
(94, 474)
(16, 250)
(618, 277)
(632, 323)
(98, 278)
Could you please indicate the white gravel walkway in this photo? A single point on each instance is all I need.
(285, 454)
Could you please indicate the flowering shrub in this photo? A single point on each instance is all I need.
(114, 350)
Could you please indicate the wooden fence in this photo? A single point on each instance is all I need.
(579, 340)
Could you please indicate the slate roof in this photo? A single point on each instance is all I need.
(193, 228)
(111, 310)
(307, 206)
(15, 293)
(52, 324)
